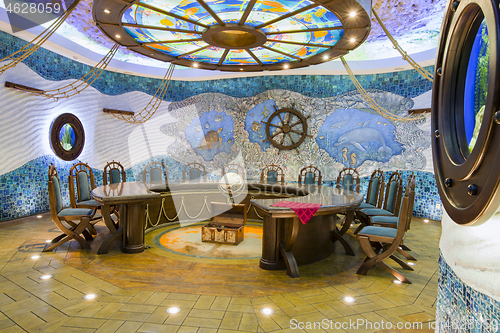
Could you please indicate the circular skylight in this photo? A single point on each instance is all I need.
(236, 35)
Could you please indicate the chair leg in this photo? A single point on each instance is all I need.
(401, 263)
(394, 272)
(72, 233)
(404, 247)
(406, 254)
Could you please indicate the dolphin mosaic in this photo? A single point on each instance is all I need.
(361, 135)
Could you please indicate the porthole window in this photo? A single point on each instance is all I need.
(67, 136)
(466, 112)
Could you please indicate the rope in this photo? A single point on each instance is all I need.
(405, 55)
(153, 104)
(32, 46)
(163, 211)
(384, 113)
(81, 84)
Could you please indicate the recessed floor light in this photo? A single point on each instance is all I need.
(397, 282)
(349, 299)
(48, 241)
(35, 257)
(39, 216)
(90, 296)
(426, 221)
(411, 263)
(45, 277)
(267, 311)
(173, 310)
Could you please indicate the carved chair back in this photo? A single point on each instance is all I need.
(83, 176)
(194, 171)
(310, 175)
(272, 174)
(155, 172)
(393, 193)
(376, 186)
(114, 173)
(348, 179)
(234, 168)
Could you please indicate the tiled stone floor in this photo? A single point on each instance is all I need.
(134, 290)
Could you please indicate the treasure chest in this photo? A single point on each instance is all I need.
(227, 226)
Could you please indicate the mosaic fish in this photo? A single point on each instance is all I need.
(256, 126)
(319, 34)
(219, 118)
(191, 11)
(302, 52)
(207, 125)
(321, 137)
(342, 123)
(167, 22)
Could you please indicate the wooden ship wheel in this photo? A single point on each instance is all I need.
(286, 128)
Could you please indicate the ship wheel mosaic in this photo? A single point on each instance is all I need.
(236, 35)
(286, 128)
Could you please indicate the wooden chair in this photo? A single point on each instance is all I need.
(387, 240)
(346, 179)
(70, 228)
(272, 174)
(392, 221)
(310, 175)
(193, 171)
(374, 195)
(155, 172)
(234, 168)
(114, 172)
(83, 176)
(392, 202)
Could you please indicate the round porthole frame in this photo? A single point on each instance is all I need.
(55, 128)
(468, 185)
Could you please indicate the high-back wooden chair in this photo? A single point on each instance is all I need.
(348, 179)
(113, 173)
(392, 202)
(374, 195)
(82, 175)
(71, 221)
(389, 238)
(194, 171)
(272, 174)
(234, 168)
(310, 175)
(155, 172)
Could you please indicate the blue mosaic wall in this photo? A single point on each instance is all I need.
(405, 83)
(461, 308)
(24, 192)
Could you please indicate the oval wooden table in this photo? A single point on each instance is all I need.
(286, 241)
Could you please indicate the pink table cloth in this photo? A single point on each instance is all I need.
(303, 210)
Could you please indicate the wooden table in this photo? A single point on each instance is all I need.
(287, 242)
(314, 239)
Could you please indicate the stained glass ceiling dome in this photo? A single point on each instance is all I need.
(236, 35)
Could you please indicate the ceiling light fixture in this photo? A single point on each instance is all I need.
(267, 311)
(118, 36)
(286, 66)
(195, 65)
(325, 57)
(173, 310)
(352, 40)
(107, 11)
(225, 37)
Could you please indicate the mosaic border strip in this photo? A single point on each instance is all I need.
(461, 308)
(53, 66)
